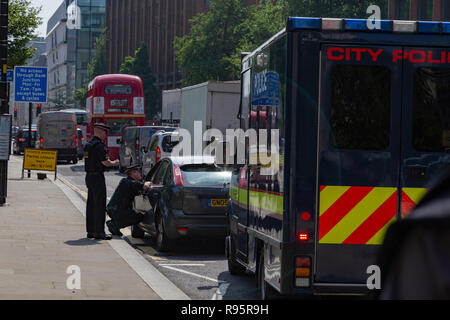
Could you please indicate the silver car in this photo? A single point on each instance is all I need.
(159, 147)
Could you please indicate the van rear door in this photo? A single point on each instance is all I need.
(425, 121)
(358, 158)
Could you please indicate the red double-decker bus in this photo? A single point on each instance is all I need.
(116, 100)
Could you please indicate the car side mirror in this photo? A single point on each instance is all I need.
(144, 150)
(119, 141)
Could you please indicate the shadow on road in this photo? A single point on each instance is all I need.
(82, 242)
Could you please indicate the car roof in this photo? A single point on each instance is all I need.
(181, 161)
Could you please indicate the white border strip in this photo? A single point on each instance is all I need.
(151, 276)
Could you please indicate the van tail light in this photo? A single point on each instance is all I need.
(178, 176)
(302, 271)
(42, 140)
(20, 140)
(158, 154)
(302, 236)
(76, 140)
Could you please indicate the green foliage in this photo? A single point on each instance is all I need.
(98, 64)
(23, 20)
(139, 66)
(209, 51)
(335, 8)
(80, 95)
(264, 20)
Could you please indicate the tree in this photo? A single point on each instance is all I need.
(335, 8)
(96, 67)
(264, 20)
(209, 51)
(140, 66)
(23, 20)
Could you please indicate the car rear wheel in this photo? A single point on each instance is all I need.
(162, 241)
(75, 160)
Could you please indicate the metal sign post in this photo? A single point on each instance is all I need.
(4, 105)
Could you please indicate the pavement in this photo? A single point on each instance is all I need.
(42, 234)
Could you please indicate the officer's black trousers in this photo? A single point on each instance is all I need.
(96, 203)
(125, 218)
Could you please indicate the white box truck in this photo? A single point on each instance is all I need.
(215, 104)
(171, 106)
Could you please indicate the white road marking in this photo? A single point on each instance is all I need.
(148, 273)
(193, 274)
(221, 291)
(182, 264)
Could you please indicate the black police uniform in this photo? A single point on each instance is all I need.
(120, 207)
(95, 181)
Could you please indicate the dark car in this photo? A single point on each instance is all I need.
(188, 198)
(20, 141)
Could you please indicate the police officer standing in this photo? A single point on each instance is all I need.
(95, 165)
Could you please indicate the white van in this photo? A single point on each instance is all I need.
(57, 130)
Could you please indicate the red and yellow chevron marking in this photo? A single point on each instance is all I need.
(410, 198)
(355, 215)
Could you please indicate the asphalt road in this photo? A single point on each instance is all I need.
(197, 267)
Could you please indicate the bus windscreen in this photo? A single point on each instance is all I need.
(118, 89)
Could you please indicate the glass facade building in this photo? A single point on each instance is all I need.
(90, 24)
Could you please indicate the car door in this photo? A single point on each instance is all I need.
(143, 202)
(425, 122)
(358, 158)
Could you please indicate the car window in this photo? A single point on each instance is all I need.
(167, 143)
(159, 176)
(204, 175)
(152, 172)
(168, 178)
(154, 143)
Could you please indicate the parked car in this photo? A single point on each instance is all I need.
(188, 198)
(133, 138)
(20, 141)
(159, 147)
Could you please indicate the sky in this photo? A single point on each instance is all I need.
(48, 8)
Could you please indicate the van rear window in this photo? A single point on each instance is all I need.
(360, 107)
(431, 128)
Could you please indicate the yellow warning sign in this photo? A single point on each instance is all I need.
(36, 159)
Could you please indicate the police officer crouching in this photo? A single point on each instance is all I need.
(120, 207)
(95, 163)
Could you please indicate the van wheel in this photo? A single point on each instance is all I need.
(162, 241)
(75, 160)
(266, 291)
(234, 267)
(137, 232)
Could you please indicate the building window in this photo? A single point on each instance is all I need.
(403, 9)
(425, 10)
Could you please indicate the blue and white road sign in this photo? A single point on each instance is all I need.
(30, 84)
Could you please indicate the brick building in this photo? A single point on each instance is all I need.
(155, 22)
(438, 10)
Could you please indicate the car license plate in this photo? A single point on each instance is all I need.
(217, 202)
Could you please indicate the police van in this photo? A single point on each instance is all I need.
(363, 117)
